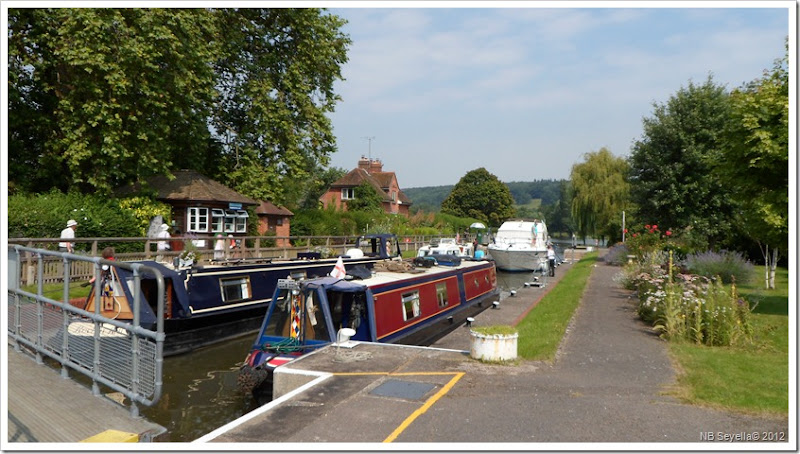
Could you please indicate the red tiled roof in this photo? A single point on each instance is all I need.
(270, 208)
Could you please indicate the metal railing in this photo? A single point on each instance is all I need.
(119, 355)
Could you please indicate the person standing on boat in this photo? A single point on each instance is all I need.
(108, 254)
(551, 259)
(68, 234)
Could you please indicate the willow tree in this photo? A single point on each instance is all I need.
(600, 193)
(755, 164)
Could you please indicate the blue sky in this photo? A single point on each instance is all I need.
(526, 91)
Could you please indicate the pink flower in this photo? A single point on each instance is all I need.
(668, 233)
(647, 226)
(655, 227)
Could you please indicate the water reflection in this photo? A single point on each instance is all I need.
(200, 393)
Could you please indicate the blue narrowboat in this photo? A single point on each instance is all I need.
(414, 306)
(216, 302)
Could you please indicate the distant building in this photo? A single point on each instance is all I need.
(275, 219)
(371, 171)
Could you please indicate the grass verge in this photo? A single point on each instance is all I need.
(541, 331)
(750, 378)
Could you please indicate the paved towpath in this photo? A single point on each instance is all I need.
(606, 385)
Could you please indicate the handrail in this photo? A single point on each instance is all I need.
(48, 337)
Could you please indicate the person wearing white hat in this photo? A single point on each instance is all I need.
(68, 234)
(162, 245)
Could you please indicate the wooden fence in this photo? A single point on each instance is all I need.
(250, 248)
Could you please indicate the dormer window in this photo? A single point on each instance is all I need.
(348, 193)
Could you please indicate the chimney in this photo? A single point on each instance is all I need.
(363, 163)
(375, 166)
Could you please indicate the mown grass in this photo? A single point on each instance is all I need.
(56, 291)
(752, 377)
(542, 330)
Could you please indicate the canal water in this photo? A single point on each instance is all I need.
(200, 393)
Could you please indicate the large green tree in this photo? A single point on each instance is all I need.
(275, 79)
(600, 193)
(672, 182)
(480, 195)
(755, 162)
(100, 97)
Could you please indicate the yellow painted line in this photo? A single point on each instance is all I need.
(424, 408)
(428, 404)
(113, 436)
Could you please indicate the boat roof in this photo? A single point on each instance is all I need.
(385, 277)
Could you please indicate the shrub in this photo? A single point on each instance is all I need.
(693, 308)
(729, 266)
(617, 255)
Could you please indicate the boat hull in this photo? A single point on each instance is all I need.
(509, 259)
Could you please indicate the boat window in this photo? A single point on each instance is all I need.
(441, 294)
(410, 305)
(235, 289)
(348, 310)
(278, 324)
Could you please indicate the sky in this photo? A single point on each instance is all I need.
(526, 91)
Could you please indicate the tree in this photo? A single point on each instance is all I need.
(480, 195)
(366, 198)
(672, 183)
(600, 193)
(755, 164)
(275, 79)
(102, 96)
(99, 98)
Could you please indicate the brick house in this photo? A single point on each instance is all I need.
(274, 219)
(371, 171)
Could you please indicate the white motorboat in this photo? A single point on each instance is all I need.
(520, 246)
(447, 246)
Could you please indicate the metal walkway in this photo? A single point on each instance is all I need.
(43, 407)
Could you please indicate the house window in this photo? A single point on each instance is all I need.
(410, 305)
(441, 294)
(236, 289)
(348, 193)
(198, 219)
(394, 196)
(279, 221)
(241, 221)
(217, 220)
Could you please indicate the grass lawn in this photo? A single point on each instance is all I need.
(541, 331)
(751, 378)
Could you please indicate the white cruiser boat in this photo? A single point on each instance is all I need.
(446, 246)
(520, 246)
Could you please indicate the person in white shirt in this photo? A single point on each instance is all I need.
(551, 259)
(162, 246)
(68, 234)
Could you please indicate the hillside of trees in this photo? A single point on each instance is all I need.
(430, 198)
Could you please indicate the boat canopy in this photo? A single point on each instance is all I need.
(335, 284)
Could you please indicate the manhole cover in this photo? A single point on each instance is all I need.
(403, 389)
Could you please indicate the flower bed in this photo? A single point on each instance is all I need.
(688, 307)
